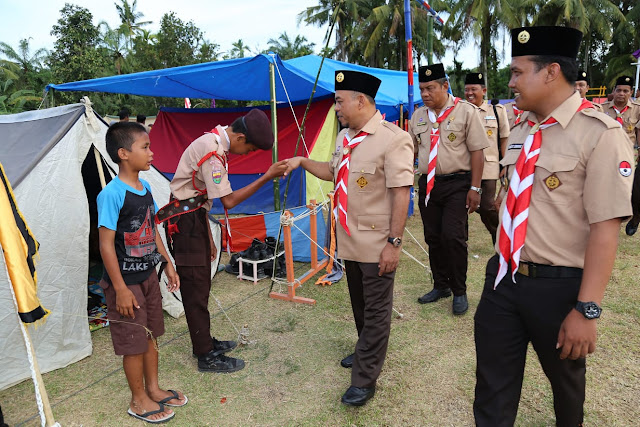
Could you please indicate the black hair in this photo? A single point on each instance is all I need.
(238, 126)
(124, 113)
(141, 118)
(568, 66)
(121, 135)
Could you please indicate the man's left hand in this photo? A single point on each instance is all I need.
(577, 336)
(473, 201)
(389, 259)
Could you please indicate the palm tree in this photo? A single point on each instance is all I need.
(287, 49)
(27, 61)
(346, 21)
(238, 49)
(114, 41)
(130, 19)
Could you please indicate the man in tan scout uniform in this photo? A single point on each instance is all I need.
(582, 86)
(448, 140)
(495, 121)
(570, 181)
(513, 113)
(373, 171)
(627, 113)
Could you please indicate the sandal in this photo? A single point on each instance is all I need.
(146, 415)
(166, 400)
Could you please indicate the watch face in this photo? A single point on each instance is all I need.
(591, 311)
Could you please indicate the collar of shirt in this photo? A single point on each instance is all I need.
(222, 130)
(565, 111)
(371, 126)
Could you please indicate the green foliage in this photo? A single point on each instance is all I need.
(287, 48)
(178, 42)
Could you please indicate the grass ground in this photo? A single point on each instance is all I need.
(293, 376)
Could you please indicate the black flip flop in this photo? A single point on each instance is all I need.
(166, 400)
(146, 415)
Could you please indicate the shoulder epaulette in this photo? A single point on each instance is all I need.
(608, 121)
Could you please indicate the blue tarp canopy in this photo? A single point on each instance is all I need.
(247, 79)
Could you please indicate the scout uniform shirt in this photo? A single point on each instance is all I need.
(460, 133)
(383, 160)
(492, 154)
(583, 176)
(212, 175)
(630, 118)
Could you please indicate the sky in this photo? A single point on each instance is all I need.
(222, 21)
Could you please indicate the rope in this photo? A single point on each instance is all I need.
(321, 248)
(416, 240)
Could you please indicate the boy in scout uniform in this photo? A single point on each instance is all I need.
(627, 113)
(449, 140)
(372, 168)
(495, 121)
(200, 177)
(582, 86)
(570, 180)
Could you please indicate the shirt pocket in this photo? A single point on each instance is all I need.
(451, 133)
(557, 179)
(363, 176)
(373, 222)
(423, 136)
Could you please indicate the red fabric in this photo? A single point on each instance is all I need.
(173, 132)
(343, 177)
(433, 149)
(619, 113)
(251, 226)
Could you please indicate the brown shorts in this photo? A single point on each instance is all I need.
(128, 335)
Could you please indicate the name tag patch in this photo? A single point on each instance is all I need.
(515, 147)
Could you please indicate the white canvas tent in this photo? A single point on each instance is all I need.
(49, 159)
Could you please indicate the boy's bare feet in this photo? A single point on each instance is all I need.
(168, 397)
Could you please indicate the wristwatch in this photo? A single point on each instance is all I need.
(590, 309)
(395, 241)
(476, 189)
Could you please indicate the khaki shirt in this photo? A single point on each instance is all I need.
(383, 160)
(630, 118)
(491, 123)
(597, 106)
(211, 175)
(590, 159)
(460, 134)
(511, 115)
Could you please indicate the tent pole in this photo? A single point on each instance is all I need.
(46, 406)
(274, 126)
(96, 153)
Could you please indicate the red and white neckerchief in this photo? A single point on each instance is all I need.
(518, 113)
(619, 113)
(342, 181)
(435, 142)
(513, 228)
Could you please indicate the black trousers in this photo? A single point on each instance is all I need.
(372, 304)
(506, 320)
(635, 198)
(191, 250)
(487, 209)
(444, 221)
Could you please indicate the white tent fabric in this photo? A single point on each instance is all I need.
(51, 195)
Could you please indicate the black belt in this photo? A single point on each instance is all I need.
(534, 270)
(450, 176)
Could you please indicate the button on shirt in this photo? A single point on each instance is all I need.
(383, 160)
(460, 134)
(582, 176)
(211, 175)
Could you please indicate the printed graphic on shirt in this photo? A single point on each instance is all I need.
(625, 168)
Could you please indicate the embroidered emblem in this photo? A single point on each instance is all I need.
(552, 182)
(435, 125)
(524, 36)
(346, 150)
(362, 181)
(452, 137)
(625, 168)
(630, 128)
(489, 132)
(340, 77)
(428, 72)
(216, 174)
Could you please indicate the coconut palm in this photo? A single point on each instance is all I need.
(287, 48)
(23, 57)
(131, 19)
(113, 40)
(238, 49)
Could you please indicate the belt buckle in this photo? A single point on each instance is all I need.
(527, 269)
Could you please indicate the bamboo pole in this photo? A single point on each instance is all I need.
(274, 126)
(48, 413)
(96, 154)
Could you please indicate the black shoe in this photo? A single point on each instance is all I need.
(434, 295)
(631, 229)
(460, 304)
(347, 362)
(357, 396)
(221, 347)
(219, 363)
